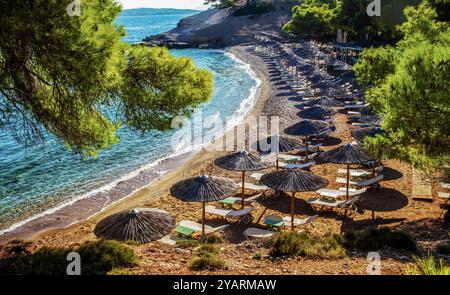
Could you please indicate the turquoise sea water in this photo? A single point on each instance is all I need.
(34, 180)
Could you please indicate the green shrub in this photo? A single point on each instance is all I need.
(104, 255)
(257, 256)
(302, 244)
(206, 263)
(375, 239)
(206, 259)
(428, 265)
(120, 271)
(207, 248)
(187, 243)
(97, 257)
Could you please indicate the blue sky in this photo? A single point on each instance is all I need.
(183, 4)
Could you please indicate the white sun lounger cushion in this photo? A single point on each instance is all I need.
(198, 227)
(297, 166)
(362, 182)
(255, 187)
(299, 222)
(227, 212)
(257, 176)
(360, 172)
(331, 193)
(334, 204)
(444, 195)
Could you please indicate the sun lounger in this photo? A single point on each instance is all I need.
(255, 187)
(445, 185)
(361, 172)
(292, 158)
(357, 106)
(311, 148)
(257, 176)
(300, 222)
(197, 227)
(257, 233)
(347, 204)
(249, 201)
(297, 166)
(332, 193)
(362, 183)
(445, 196)
(356, 173)
(243, 215)
(362, 124)
(344, 189)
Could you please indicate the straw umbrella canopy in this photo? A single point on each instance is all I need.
(372, 120)
(346, 154)
(365, 111)
(203, 189)
(306, 129)
(294, 181)
(361, 134)
(325, 102)
(139, 225)
(241, 161)
(277, 144)
(317, 113)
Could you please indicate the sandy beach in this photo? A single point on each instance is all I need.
(398, 209)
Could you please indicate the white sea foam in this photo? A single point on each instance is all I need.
(182, 149)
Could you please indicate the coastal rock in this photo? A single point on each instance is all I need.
(219, 28)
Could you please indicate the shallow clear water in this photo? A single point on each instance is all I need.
(36, 179)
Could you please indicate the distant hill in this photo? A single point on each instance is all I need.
(156, 11)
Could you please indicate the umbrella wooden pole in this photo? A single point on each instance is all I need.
(292, 211)
(203, 219)
(243, 189)
(306, 145)
(348, 181)
(307, 152)
(278, 162)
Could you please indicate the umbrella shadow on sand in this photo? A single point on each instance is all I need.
(281, 203)
(332, 141)
(391, 174)
(380, 201)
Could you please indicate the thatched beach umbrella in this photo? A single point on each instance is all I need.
(317, 113)
(138, 225)
(325, 102)
(307, 129)
(361, 134)
(241, 161)
(372, 120)
(346, 154)
(203, 189)
(294, 181)
(277, 144)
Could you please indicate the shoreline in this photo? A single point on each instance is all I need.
(89, 206)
